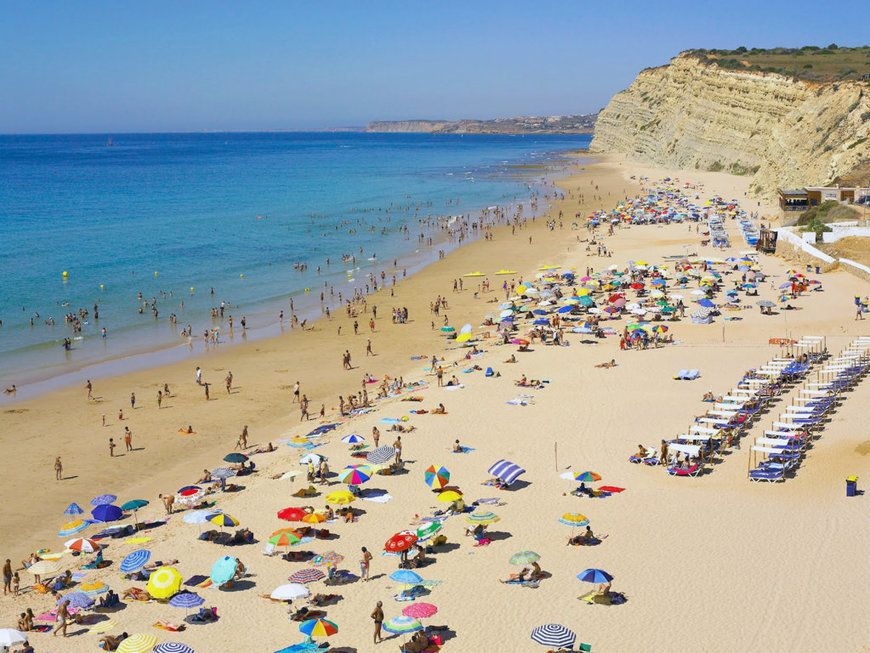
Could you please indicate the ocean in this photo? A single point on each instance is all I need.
(202, 218)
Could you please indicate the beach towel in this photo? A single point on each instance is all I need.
(377, 498)
(520, 401)
(194, 581)
(137, 540)
(299, 648)
(78, 575)
(465, 450)
(390, 420)
(611, 488)
(461, 386)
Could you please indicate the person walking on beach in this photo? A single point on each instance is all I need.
(58, 469)
(90, 389)
(242, 442)
(369, 348)
(364, 564)
(295, 392)
(229, 381)
(198, 376)
(61, 619)
(206, 391)
(376, 435)
(112, 447)
(159, 398)
(303, 407)
(128, 438)
(133, 401)
(397, 445)
(378, 618)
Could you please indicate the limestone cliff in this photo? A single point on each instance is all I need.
(782, 130)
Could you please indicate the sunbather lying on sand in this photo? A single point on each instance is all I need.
(612, 363)
(151, 566)
(136, 594)
(268, 449)
(111, 643)
(521, 577)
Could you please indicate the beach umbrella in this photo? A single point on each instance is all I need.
(400, 542)
(448, 329)
(587, 477)
(106, 512)
(573, 519)
(467, 328)
(506, 471)
(187, 491)
(289, 592)
(93, 589)
(44, 567)
(223, 570)
(9, 637)
(235, 458)
(103, 498)
(163, 582)
(554, 636)
(135, 561)
(83, 545)
(103, 626)
(284, 537)
(428, 530)
(308, 575)
(437, 478)
(73, 527)
(222, 473)
(138, 643)
(766, 303)
(318, 628)
(595, 576)
(78, 600)
(450, 495)
(339, 497)
(299, 442)
(464, 337)
(289, 475)
(134, 505)
(314, 518)
(524, 558)
(353, 438)
(353, 476)
(186, 600)
(222, 520)
(173, 647)
(402, 625)
(328, 559)
(420, 610)
(406, 576)
(73, 509)
(381, 455)
(486, 517)
(313, 458)
(291, 514)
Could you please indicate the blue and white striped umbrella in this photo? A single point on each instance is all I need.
(135, 561)
(381, 455)
(73, 509)
(506, 471)
(186, 600)
(353, 438)
(103, 498)
(554, 636)
(595, 576)
(77, 600)
(173, 647)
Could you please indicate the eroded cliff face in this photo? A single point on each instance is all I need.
(784, 132)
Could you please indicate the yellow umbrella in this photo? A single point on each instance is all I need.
(340, 497)
(521, 289)
(582, 292)
(464, 337)
(103, 626)
(314, 518)
(449, 496)
(44, 567)
(164, 582)
(138, 643)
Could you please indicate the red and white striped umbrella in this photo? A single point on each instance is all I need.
(83, 545)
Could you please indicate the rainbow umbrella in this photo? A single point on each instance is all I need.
(164, 582)
(135, 561)
(353, 476)
(138, 643)
(587, 477)
(309, 575)
(73, 527)
(437, 478)
(402, 625)
(327, 559)
(420, 610)
(524, 558)
(318, 628)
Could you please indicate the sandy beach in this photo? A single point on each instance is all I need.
(713, 562)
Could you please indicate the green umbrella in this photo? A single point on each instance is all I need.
(134, 505)
(524, 558)
(428, 530)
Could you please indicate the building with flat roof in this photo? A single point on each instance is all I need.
(802, 199)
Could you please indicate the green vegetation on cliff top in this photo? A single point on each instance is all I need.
(812, 63)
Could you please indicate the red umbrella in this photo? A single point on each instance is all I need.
(292, 514)
(615, 296)
(420, 610)
(400, 542)
(637, 286)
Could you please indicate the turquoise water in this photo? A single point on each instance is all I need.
(161, 213)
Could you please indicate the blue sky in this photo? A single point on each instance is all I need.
(104, 67)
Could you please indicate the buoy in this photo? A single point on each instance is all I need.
(155, 273)
(306, 290)
(65, 273)
(241, 276)
(191, 289)
(101, 286)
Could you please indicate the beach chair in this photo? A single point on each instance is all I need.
(694, 470)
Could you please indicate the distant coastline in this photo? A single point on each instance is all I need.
(583, 123)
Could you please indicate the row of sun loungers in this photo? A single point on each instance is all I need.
(785, 444)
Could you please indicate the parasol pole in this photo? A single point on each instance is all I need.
(556, 454)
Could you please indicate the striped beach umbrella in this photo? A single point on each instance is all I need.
(428, 530)
(93, 589)
(103, 626)
(381, 455)
(78, 600)
(420, 610)
(222, 520)
(573, 519)
(103, 499)
(328, 559)
(402, 625)
(83, 545)
(318, 628)
(554, 636)
(44, 567)
(587, 477)
(73, 509)
(284, 537)
(223, 570)
(314, 518)
(164, 582)
(308, 575)
(340, 497)
(173, 647)
(353, 476)
(353, 438)
(186, 600)
(595, 576)
(73, 527)
(138, 643)
(437, 478)
(486, 517)
(135, 561)
(524, 558)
